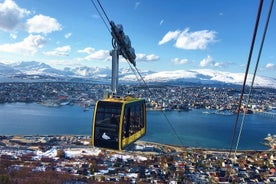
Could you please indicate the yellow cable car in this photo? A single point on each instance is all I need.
(118, 122)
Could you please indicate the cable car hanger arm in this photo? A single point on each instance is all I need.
(122, 42)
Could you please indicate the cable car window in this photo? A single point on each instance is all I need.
(126, 123)
(133, 119)
(107, 124)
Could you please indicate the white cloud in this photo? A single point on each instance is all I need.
(10, 15)
(68, 35)
(218, 64)
(87, 50)
(270, 66)
(171, 35)
(28, 46)
(137, 4)
(93, 54)
(100, 54)
(144, 57)
(223, 64)
(206, 61)
(190, 40)
(152, 57)
(104, 55)
(59, 51)
(42, 24)
(13, 36)
(179, 61)
(96, 16)
(161, 22)
(195, 40)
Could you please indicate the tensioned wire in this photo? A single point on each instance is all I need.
(254, 75)
(245, 76)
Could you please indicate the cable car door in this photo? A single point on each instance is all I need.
(107, 122)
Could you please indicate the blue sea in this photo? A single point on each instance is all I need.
(190, 129)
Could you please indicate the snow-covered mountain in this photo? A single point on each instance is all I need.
(37, 68)
(7, 70)
(207, 76)
(88, 72)
(199, 76)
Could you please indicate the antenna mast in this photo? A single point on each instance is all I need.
(121, 46)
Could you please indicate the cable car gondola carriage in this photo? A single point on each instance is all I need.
(118, 121)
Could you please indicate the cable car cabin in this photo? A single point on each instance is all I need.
(118, 122)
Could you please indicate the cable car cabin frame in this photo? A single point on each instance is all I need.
(118, 122)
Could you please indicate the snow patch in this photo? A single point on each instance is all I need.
(125, 158)
(80, 152)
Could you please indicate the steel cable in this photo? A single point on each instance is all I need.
(254, 75)
(245, 76)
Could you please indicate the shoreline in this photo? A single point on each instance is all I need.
(37, 139)
(87, 107)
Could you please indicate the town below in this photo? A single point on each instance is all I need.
(71, 159)
(158, 97)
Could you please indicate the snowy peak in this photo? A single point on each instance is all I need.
(35, 68)
(7, 70)
(197, 76)
(207, 76)
(31, 65)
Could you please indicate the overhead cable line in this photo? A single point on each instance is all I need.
(92, 1)
(255, 71)
(163, 112)
(246, 73)
(151, 93)
(103, 11)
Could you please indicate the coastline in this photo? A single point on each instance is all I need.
(26, 140)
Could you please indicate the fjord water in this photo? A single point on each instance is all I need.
(191, 129)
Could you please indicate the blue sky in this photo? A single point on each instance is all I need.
(167, 35)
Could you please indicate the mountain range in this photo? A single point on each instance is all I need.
(33, 70)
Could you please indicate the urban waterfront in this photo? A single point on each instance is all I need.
(192, 128)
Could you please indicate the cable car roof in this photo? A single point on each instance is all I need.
(126, 99)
